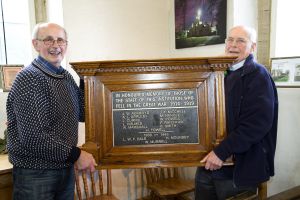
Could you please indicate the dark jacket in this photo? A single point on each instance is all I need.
(252, 112)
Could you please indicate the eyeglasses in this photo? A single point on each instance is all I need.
(238, 41)
(50, 41)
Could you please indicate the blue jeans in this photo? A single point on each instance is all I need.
(209, 188)
(32, 184)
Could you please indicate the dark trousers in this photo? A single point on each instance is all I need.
(209, 188)
(31, 184)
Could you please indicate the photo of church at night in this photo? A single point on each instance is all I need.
(199, 22)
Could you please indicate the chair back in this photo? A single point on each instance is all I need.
(260, 195)
(89, 182)
(155, 174)
(166, 183)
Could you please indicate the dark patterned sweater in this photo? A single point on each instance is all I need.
(43, 111)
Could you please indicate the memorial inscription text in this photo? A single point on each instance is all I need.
(155, 117)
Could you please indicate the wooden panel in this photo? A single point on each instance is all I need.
(6, 187)
(6, 180)
(103, 79)
(290, 194)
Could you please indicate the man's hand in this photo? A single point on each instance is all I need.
(212, 161)
(86, 161)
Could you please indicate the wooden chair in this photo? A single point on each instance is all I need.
(244, 196)
(165, 183)
(260, 195)
(90, 186)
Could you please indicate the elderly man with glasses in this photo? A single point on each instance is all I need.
(44, 107)
(251, 112)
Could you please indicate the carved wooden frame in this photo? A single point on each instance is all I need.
(104, 77)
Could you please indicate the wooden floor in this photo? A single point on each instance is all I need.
(291, 194)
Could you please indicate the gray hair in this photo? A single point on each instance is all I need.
(251, 32)
(37, 27)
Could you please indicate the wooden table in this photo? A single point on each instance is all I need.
(5, 178)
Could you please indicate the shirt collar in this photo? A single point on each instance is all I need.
(237, 65)
(49, 66)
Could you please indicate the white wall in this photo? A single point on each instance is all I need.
(284, 32)
(132, 29)
(287, 162)
(245, 13)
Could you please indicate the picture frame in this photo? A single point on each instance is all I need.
(286, 71)
(9, 73)
(200, 23)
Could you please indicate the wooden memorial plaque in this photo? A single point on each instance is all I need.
(154, 113)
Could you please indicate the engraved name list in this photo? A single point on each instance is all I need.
(155, 117)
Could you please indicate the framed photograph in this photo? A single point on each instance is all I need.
(286, 71)
(200, 23)
(9, 73)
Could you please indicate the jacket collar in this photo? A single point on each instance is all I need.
(247, 68)
(236, 66)
(49, 66)
(44, 69)
(249, 65)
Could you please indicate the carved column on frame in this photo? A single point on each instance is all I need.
(263, 33)
(220, 100)
(40, 10)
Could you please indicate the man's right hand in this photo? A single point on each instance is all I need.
(85, 161)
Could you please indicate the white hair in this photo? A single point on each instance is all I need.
(251, 32)
(35, 31)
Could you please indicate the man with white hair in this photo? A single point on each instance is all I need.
(251, 116)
